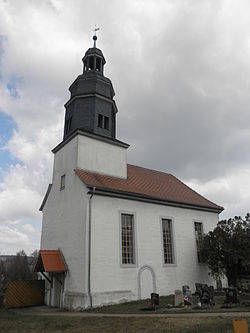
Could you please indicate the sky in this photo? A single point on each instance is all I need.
(181, 73)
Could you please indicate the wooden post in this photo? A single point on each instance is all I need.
(240, 326)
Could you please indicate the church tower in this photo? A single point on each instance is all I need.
(91, 106)
(89, 137)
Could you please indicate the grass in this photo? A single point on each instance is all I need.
(11, 322)
(136, 307)
(14, 323)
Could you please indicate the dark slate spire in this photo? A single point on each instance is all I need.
(91, 106)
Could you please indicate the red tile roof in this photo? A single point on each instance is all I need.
(50, 261)
(147, 183)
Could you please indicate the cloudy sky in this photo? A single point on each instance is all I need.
(181, 73)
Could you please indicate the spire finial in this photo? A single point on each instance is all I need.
(95, 37)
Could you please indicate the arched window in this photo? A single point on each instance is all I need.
(91, 64)
(98, 64)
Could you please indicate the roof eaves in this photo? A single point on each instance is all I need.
(197, 192)
(44, 255)
(99, 137)
(45, 197)
(146, 198)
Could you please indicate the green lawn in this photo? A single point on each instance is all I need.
(136, 307)
(16, 323)
(11, 322)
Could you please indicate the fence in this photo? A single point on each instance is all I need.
(25, 293)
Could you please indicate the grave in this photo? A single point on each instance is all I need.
(205, 293)
(231, 295)
(178, 297)
(187, 295)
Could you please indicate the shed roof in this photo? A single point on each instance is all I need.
(50, 261)
(148, 184)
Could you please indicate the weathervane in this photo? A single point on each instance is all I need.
(95, 37)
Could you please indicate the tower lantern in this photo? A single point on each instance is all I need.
(91, 107)
(93, 59)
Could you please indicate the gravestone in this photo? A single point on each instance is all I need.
(231, 295)
(211, 293)
(205, 293)
(178, 297)
(154, 298)
(187, 295)
(186, 291)
(205, 296)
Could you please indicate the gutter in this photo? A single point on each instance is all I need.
(45, 197)
(149, 199)
(89, 250)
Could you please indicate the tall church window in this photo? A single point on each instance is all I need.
(127, 239)
(167, 237)
(198, 238)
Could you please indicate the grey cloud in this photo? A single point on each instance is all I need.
(180, 70)
(186, 101)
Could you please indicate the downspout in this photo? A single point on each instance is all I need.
(89, 251)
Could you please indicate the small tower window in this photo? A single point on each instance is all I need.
(62, 183)
(103, 121)
(106, 123)
(68, 124)
(100, 120)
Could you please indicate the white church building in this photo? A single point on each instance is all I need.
(113, 231)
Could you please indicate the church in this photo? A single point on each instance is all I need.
(111, 231)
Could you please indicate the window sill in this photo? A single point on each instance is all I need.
(169, 265)
(128, 265)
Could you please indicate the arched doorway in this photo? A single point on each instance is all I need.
(146, 282)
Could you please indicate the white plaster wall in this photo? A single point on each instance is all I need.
(101, 157)
(65, 213)
(122, 283)
(64, 219)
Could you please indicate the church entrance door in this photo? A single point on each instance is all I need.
(58, 290)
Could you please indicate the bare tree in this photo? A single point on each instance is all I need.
(3, 280)
(19, 268)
